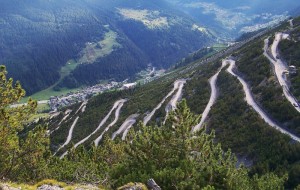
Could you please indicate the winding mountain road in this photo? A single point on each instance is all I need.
(83, 109)
(117, 115)
(69, 135)
(128, 123)
(84, 103)
(171, 106)
(67, 114)
(150, 115)
(280, 68)
(103, 121)
(250, 100)
(213, 97)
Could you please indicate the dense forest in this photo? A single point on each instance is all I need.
(35, 47)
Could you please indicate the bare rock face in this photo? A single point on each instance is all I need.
(153, 185)
(87, 187)
(6, 187)
(133, 186)
(49, 187)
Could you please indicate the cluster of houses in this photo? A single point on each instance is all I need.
(70, 98)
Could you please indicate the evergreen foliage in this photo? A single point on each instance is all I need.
(258, 70)
(290, 50)
(20, 158)
(171, 154)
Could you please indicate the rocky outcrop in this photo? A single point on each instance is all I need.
(153, 185)
(49, 187)
(7, 187)
(133, 186)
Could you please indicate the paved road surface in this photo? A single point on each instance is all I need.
(103, 121)
(171, 106)
(67, 114)
(69, 138)
(84, 103)
(128, 123)
(117, 115)
(250, 100)
(213, 97)
(150, 115)
(280, 68)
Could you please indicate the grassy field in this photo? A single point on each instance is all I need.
(42, 108)
(216, 48)
(219, 47)
(150, 19)
(68, 68)
(95, 50)
(47, 93)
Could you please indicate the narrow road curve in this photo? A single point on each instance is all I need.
(81, 106)
(213, 97)
(67, 114)
(250, 100)
(117, 115)
(127, 130)
(103, 121)
(125, 126)
(69, 135)
(280, 68)
(172, 104)
(54, 115)
(150, 115)
(83, 109)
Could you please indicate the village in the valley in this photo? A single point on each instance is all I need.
(56, 102)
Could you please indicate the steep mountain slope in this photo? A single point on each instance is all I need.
(263, 131)
(290, 51)
(235, 17)
(67, 43)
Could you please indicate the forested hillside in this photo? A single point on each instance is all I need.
(199, 162)
(46, 45)
(223, 117)
(264, 135)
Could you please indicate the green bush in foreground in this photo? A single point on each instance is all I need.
(21, 156)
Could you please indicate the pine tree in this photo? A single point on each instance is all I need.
(14, 152)
(179, 159)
